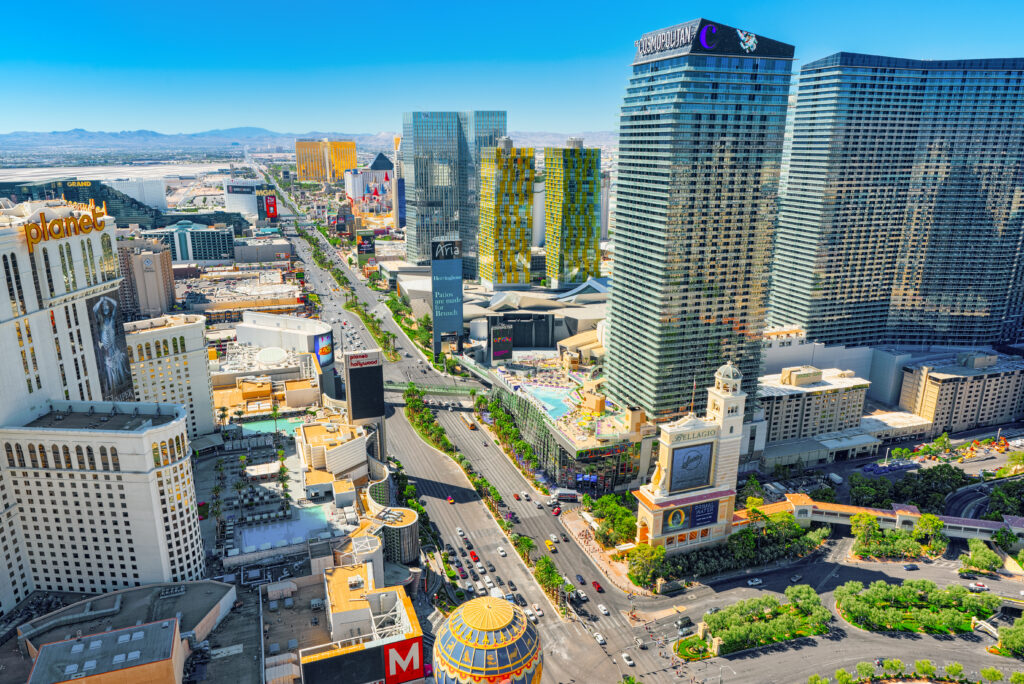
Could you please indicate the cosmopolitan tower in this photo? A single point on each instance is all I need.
(700, 145)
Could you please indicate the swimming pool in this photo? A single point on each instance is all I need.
(310, 520)
(553, 399)
(285, 425)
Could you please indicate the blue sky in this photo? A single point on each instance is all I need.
(354, 67)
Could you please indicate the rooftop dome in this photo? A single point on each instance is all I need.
(729, 372)
(487, 639)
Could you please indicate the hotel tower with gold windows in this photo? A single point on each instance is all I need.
(324, 161)
(96, 491)
(506, 215)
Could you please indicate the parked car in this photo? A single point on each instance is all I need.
(796, 578)
(520, 600)
(512, 585)
(530, 616)
(497, 580)
(490, 566)
(537, 610)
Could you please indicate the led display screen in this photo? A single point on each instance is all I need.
(365, 391)
(698, 515)
(691, 467)
(324, 348)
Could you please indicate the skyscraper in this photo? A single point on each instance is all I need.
(506, 215)
(324, 160)
(573, 199)
(700, 141)
(899, 216)
(440, 166)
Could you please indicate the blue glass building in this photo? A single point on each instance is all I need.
(900, 214)
(700, 145)
(440, 164)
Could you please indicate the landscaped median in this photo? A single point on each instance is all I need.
(511, 442)
(914, 606)
(758, 622)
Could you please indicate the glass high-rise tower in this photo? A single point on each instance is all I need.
(900, 214)
(440, 164)
(506, 215)
(700, 142)
(572, 199)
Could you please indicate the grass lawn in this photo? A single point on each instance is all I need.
(693, 648)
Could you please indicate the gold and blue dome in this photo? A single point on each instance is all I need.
(487, 640)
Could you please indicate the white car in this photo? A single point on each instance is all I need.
(757, 581)
(600, 639)
(481, 569)
(501, 552)
(530, 615)
(553, 538)
(626, 659)
(537, 610)
(603, 608)
(459, 530)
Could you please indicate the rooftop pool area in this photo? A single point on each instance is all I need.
(553, 399)
(285, 425)
(310, 520)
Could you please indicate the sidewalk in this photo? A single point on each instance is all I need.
(614, 571)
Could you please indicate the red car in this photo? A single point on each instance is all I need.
(558, 509)
(462, 573)
(476, 558)
(597, 586)
(451, 500)
(515, 496)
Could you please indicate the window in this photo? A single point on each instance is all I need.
(81, 457)
(49, 272)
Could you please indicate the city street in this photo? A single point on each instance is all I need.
(572, 654)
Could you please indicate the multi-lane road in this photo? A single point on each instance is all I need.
(571, 652)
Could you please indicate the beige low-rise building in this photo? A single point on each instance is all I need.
(804, 401)
(969, 390)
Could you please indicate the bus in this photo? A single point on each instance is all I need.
(565, 495)
(468, 421)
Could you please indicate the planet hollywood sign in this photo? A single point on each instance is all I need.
(363, 361)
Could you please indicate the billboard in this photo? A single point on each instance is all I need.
(501, 343)
(687, 517)
(446, 289)
(691, 467)
(110, 348)
(324, 345)
(271, 206)
(364, 384)
(394, 663)
(365, 247)
(240, 190)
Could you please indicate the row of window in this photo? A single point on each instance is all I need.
(144, 352)
(37, 458)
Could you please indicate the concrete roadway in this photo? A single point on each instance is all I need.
(571, 654)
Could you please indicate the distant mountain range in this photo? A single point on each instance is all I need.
(80, 140)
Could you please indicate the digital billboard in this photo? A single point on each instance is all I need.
(446, 286)
(698, 515)
(110, 348)
(270, 202)
(394, 663)
(364, 384)
(241, 189)
(365, 247)
(691, 467)
(324, 345)
(501, 343)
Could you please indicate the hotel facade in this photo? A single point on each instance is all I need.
(96, 492)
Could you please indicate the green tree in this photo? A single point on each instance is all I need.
(925, 668)
(954, 670)
(1012, 638)
(587, 501)
(817, 679)
(893, 666)
(864, 526)
(843, 677)
(980, 557)
(991, 674)
(824, 494)
(1004, 539)
(865, 670)
(754, 502)
(645, 563)
(752, 488)
(1017, 678)
(927, 526)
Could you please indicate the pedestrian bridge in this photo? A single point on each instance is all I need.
(429, 389)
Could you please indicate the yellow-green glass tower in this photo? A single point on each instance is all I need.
(506, 215)
(572, 199)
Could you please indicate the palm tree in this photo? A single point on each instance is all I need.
(275, 413)
(239, 487)
(239, 413)
(223, 411)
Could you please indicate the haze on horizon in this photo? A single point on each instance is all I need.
(553, 67)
